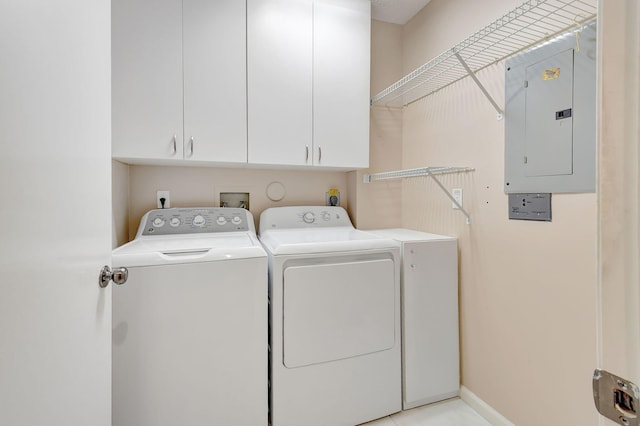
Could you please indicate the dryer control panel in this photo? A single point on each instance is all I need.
(304, 217)
(180, 221)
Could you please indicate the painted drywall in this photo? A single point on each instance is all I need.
(201, 187)
(120, 203)
(527, 289)
(379, 205)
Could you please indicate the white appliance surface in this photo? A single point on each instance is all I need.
(429, 276)
(335, 318)
(190, 324)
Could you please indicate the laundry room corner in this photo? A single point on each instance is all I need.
(527, 288)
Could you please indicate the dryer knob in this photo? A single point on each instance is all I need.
(236, 220)
(221, 220)
(199, 220)
(308, 217)
(158, 222)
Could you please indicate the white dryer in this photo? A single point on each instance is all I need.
(190, 324)
(334, 318)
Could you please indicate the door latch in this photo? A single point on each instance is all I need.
(616, 398)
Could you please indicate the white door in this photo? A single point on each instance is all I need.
(55, 322)
(619, 196)
(279, 84)
(341, 69)
(215, 80)
(147, 79)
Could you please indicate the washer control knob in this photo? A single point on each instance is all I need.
(199, 220)
(221, 220)
(158, 222)
(236, 220)
(174, 221)
(308, 217)
(326, 216)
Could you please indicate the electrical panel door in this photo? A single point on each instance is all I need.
(548, 122)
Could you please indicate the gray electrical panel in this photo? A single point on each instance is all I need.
(550, 116)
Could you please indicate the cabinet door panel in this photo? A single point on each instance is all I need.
(280, 81)
(341, 68)
(215, 101)
(147, 78)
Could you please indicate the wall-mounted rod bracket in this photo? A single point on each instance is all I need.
(451, 197)
(482, 88)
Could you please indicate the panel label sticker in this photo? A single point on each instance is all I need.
(551, 74)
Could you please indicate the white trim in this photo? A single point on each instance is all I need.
(482, 408)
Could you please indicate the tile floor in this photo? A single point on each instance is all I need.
(452, 412)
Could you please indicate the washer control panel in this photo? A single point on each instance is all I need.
(195, 221)
(304, 217)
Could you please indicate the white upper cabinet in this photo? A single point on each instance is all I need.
(264, 82)
(308, 82)
(279, 55)
(341, 90)
(215, 81)
(146, 56)
(174, 59)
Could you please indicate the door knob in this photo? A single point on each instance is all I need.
(118, 276)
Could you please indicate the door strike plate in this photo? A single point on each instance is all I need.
(616, 398)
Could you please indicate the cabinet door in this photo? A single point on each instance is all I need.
(341, 68)
(146, 79)
(280, 81)
(215, 100)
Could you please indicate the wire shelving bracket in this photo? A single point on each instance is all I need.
(424, 171)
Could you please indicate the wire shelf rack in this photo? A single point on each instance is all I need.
(431, 172)
(533, 22)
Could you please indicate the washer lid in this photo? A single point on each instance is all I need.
(322, 240)
(176, 249)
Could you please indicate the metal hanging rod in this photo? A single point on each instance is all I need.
(524, 27)
(424, 171)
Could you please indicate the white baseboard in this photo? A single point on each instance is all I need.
(482, 408)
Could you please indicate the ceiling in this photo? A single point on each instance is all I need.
(396, 11)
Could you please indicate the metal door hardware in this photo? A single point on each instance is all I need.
(118, 276)
(616, 398)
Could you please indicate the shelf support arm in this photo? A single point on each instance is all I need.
(464, 212)
(475, 78)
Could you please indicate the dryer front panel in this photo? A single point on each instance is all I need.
(334, 311)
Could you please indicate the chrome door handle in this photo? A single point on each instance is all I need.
(118, 276)
(306, 154)
(175, 145)
(319, 154)
(191, 151)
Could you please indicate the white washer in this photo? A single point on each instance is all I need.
(190, 324)
(430, 344)
(334, 318)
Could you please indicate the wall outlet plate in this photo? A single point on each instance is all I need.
(166, 195)
(456, 193)
(333, 197)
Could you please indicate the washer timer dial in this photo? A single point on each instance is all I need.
(199, 220)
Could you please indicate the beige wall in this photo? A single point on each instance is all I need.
(380, 205)
(201, 186)
(527, 289)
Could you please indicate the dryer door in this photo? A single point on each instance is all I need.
(338, 310)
